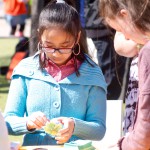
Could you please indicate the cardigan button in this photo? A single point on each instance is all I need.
(56, 88)
(31, 73)
(56, 104)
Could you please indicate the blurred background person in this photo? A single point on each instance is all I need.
(16, 14)
(112, 65)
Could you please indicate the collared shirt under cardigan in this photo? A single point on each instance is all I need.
(83, 98)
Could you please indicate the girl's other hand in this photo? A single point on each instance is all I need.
(36, 121)
(68, 127)
(125, 47)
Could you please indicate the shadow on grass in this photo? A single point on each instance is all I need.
(4, 88)
(4, 85)
(4, 91)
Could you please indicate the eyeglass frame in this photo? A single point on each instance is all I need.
(53, 50)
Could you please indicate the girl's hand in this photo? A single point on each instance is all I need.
(36, 121)
(68, 127)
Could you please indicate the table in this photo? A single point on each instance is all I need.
(96, 144)
(42, 148)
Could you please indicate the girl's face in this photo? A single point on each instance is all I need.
(58, 39)
(123, 23)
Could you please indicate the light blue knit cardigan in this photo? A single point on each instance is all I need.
(82, 98)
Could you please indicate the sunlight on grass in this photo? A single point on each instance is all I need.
(7, 49)
(4, 87)
(15, 139)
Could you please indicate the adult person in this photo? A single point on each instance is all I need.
(112, 65)
(132, 18)
(59, 82)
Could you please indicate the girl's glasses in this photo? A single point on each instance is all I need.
(60, 50)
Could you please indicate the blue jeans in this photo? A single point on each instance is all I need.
(14, 20)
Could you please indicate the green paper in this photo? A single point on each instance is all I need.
(52, 127)
(80, 144)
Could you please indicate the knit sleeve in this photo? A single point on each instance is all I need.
(93, 127)
(16, 106)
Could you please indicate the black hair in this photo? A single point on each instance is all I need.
(66, 17)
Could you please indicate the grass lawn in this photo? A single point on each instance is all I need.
(4, 87)
(7, 48)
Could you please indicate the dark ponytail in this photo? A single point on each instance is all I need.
(65, 17)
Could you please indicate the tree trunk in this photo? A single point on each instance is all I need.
(37, 6)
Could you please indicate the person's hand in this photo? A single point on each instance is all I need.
(125, 47)
(68, 127)
(36, 121)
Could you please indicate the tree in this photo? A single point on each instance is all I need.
(36, 7)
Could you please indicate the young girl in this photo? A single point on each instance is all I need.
(60, 81)
(132, 18)
(128, 48)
